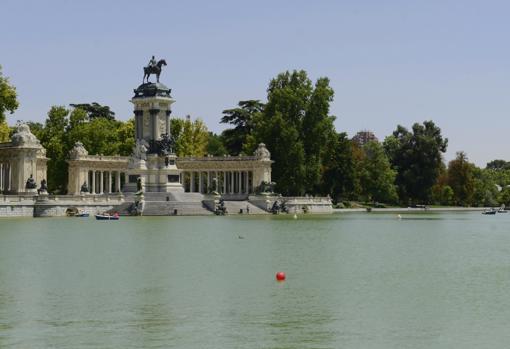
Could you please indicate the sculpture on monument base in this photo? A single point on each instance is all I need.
(139, 154)
(140, 150)
(31, 184)
(43, 189)
(153, 68)
(221, 209)
(279, 206)
(84, 188)
(265, 188)
(138, 205)
(163, 146)
(139, 186)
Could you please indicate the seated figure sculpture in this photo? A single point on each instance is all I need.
(43, 189)
(31, 184)
(84, 188)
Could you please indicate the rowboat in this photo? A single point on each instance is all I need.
(107, 217)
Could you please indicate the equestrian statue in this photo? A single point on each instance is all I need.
(153, 68)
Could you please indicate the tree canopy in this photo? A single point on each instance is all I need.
(8, 97)
(95, 110)
(416, 156)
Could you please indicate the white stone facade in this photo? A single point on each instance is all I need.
(20, 159)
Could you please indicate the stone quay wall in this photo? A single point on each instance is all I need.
(55, 205)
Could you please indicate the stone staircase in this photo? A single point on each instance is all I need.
(175, 208)
(235, 207)
(174, 203)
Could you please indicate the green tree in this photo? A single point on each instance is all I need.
(317, 129)
(126, 137)
(4, 132)
(498, 165)
(63, 128)
(53, 139)
(191, 138)
(461, 179)
(8, 97)
(377, 178)
(416, 156)
(295, 126)
(95, 110)
(215, 146)
(242, 118)
(339, 173)
(485, 188)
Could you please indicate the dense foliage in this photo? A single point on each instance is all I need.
(8, 103)
(64, 127)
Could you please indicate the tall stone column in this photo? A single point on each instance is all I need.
(93, 182)
(200, 182)
(101, 182)
(117, 181)
(109, 182)
(9, 178)
(154, 124)
(231, 175)
(192, 182)
(139, 124)
(167, 121)
(1, 178)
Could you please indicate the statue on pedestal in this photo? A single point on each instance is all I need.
(31, 184)
(163, 146)
(139, 186)
(153, 68)
(43, 189)
(84, 188)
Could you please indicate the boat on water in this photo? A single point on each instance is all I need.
(107, 217)
(76, 212)
(490, 211)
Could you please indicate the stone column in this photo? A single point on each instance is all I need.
(192, 182)
(231, 177)
(1, 178)
(109, 182)
(117, 181)
(154, 123)
(224, 189)
(101, 182)
(167, 120)
(200, 183)
(9, 178)
(93, 182)
(139, 124)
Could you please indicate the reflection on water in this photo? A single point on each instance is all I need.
(353, 280)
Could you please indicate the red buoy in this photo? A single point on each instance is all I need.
(280, 276)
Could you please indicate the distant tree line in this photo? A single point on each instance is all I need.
(310, 155)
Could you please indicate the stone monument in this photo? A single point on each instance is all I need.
(153, 158)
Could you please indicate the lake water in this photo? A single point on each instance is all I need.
(353, 281)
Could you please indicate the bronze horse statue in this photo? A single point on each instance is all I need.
(147, 71)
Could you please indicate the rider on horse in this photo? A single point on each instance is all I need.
(152, 63)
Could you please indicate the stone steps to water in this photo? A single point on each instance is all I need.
(235, 207)
(172, 208)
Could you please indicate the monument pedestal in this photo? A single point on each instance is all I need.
(152, 160)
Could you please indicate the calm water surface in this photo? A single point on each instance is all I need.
(353, 281)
